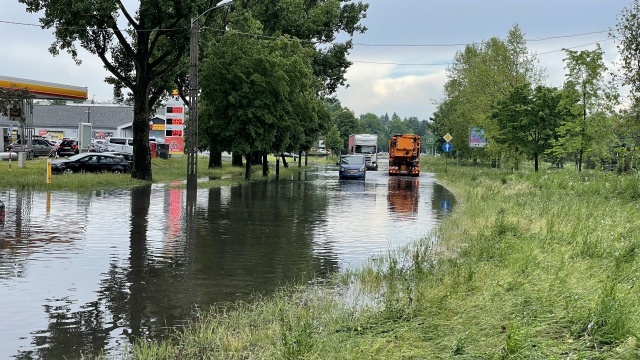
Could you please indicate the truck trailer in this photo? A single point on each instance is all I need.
(404, 155)
(367, 145)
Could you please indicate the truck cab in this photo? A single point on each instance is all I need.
(367, 145)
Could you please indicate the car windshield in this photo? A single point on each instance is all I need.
(352, 160)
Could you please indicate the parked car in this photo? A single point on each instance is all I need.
(126, 156)
(8, 155)
(90, 162)
(352, 167)
(40, 147)
(291, 155)
(68, 147)
(98, 145)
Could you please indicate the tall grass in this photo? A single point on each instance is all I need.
(528, 266)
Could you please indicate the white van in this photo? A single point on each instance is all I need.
(119, 144)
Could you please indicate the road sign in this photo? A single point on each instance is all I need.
(447, 137)
(447, 147)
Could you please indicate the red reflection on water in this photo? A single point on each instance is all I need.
(173, 220)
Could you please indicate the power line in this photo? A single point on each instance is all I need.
(317, 42)
(447, 64)
(85, 28)
(465, 44)
(399, 64)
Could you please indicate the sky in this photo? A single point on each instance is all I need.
(387, 76)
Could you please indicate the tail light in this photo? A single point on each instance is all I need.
(74, 147)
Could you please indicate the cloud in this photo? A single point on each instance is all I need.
(379, 89)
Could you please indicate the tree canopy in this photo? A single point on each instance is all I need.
(259, 94)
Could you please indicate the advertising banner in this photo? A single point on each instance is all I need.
(477, 138)
(176, 144)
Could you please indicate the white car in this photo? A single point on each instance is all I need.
(6, 155)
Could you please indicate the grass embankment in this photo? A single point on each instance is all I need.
(33, 176)
(528, 266)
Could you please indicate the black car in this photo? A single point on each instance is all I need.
(68, 147)
(90, 162)
(126, 156)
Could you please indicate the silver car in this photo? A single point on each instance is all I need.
(39, 147)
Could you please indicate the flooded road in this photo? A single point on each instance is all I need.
(84, 273)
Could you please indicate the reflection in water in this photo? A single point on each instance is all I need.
(442, 200)
(137, 275)
(114, 266)
(403, 196)
(2, 209)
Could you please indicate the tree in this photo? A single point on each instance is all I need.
(397, 126)
(333, 140)
(315, 22)
(346, 122)
(413, 125)
(628, 43)
(372, 124)
(259, 93)
(592, 99)
(528, 119)
(141, 55)
(481, 75)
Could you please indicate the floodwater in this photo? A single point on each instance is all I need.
(85, 273)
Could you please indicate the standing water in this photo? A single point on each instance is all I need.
(85, 273)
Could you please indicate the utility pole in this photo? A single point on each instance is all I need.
(192, 141)
(192, 126)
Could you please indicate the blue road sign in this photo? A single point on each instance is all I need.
(447, 147)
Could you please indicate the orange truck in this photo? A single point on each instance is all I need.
(404, 155)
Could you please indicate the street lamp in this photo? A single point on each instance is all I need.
(192, 141)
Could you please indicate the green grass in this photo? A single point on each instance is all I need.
(528, 266)
(33, 176)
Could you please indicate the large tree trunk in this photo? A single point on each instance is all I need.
(535, 162)
(284, 161)
(247, 169)
(141, 167)
(215, 158)
(236, 160)
(256, 158)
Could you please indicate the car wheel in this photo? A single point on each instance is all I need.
(117, 171)
(67, 171)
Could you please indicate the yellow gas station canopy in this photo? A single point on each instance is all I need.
(46, 90)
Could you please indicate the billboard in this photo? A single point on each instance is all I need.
(477, 138)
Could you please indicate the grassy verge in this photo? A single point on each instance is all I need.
(33, 176)
(528, 266)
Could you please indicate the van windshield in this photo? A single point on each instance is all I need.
(352, 160)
